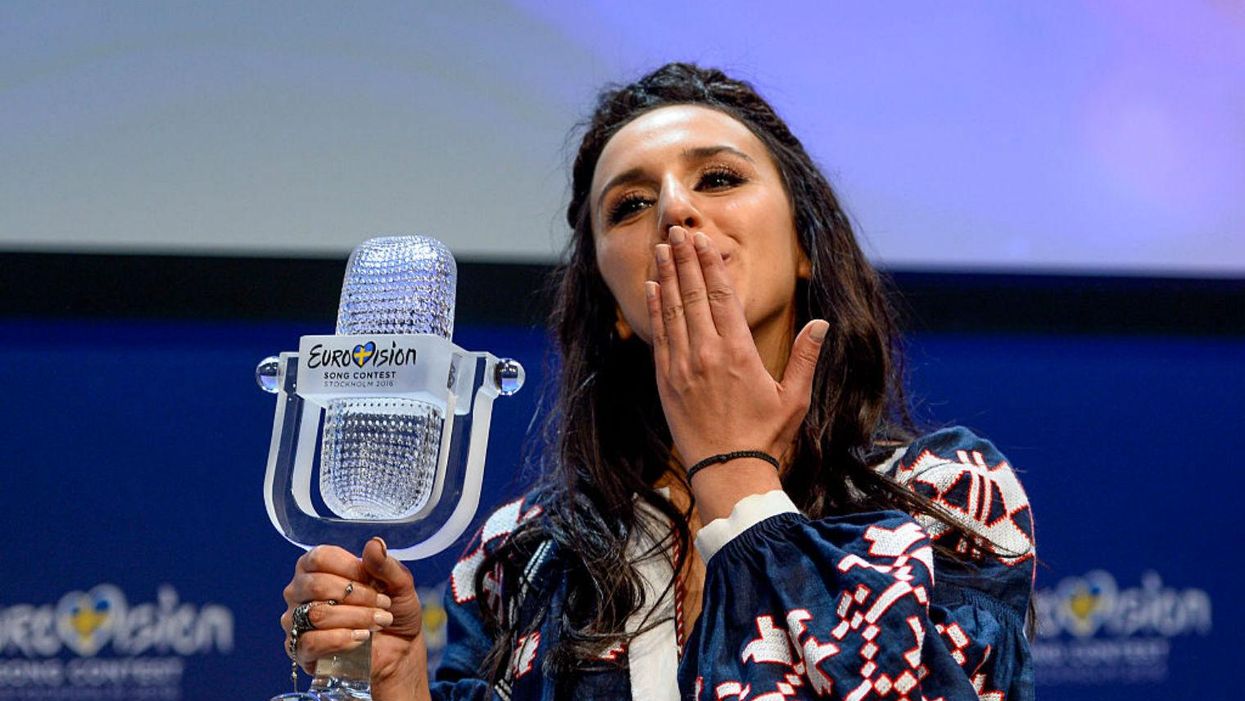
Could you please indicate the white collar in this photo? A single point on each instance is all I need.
(653, 656)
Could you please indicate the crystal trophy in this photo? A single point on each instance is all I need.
(404, 416)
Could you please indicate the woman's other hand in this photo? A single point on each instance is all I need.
(715, 390)
(352, 597)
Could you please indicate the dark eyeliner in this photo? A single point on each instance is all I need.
(731, 177)
(621, 209)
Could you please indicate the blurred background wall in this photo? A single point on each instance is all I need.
(1058, 192)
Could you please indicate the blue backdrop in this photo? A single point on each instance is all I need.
(138, 561)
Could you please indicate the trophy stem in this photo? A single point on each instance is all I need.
(342, 677)
(345, 676)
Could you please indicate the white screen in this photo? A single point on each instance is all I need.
(1067, 137)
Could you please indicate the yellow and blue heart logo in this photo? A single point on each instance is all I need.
(85, 620)
(1087, 601)
(363, 352)
(1084, 602)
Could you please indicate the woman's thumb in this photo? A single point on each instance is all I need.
(387, 571)
(805, 352)
(395, 580)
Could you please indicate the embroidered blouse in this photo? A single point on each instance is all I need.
(847, 607)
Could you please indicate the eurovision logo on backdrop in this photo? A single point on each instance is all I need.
(96, 644)
(1093, 630)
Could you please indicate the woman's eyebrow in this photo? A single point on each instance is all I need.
(703, 152)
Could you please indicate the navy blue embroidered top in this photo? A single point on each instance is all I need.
(849, 607)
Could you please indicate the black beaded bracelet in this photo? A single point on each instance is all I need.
(727, 457)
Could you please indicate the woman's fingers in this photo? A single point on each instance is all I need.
(321, 586)
(332, 560)
(686, 298)
(346, 599)
(694, 296)
(724, 304)
(326, 616)
(335, 628)
(661, 342)
(671, 302)
(329, 573)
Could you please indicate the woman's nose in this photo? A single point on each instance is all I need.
(677, 207)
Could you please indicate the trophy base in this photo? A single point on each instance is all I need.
(326, 688)
(338, 694)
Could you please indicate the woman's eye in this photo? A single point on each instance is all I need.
(626, 207)
(718, 179)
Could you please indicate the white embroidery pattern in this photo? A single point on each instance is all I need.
(501, 524)
(986, 499)
(897, 553)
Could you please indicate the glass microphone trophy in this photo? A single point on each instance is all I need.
(405, 424)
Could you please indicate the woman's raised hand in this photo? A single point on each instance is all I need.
(715, 391)
(351, 597)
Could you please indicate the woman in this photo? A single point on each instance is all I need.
(716, 320)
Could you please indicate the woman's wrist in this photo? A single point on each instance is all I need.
(718, 487)
(728, 457)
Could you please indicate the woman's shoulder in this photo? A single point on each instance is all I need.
(963, 472)
(945, 445)
(978, 489)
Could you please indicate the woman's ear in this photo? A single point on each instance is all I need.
(804, 267)
(621, 327)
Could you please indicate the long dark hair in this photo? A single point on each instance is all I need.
(608, 438)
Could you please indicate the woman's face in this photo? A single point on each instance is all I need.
(703, 170)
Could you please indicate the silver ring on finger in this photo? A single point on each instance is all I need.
(301, 622)
(349, 590)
